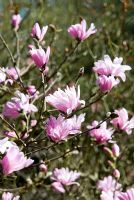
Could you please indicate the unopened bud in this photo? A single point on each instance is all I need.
(116, 150)
(43, 167)
(31, 89)
(108, 151)
(33, 122)
(111, 164)
(45, 72)
(116, 173)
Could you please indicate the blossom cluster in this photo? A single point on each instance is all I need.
(110, 72)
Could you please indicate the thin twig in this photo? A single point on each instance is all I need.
(9, 51)
(12, 128)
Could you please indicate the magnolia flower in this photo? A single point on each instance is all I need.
(67, 100)
(9, 196)
(63, 177)
(2, 75)
(12, 73)
(57, 129)
(18, 104)
(14, 160)
(106, 83)
(101, 133)
(75, 123)
(37, 32)
(11, 110)
(109, 195)
(5, 145)
(79, 32)
(122, 122)
(40, 57)
(108, 68)
(16, 20)
(108, 184)
(128, 195)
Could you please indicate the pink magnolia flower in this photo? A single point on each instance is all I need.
(37, 32)
(106, 83)
(119, 69)
(101, 134)
(103, 67)
(63, 177)
(14, 160)
(9, 196)
(40, 57)
(60, 128)
(108, 184)
(108, 68)
(11, 110)
(12, 73)
(18, 104)
(67, 100)
(57, 129)
(16, 20)
(128, 195)
(2, 75)
(122, 122)
(109, 195)
(5, 145)
(75, 123)
(79, 32)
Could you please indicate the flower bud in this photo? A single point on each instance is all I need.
(16, 20)
(31, 89)
(116, 150)
(111, 164)
(108, 151)
(45, 72)
(43, 167)
(33, 122)
(10, 134)
(116, 173)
